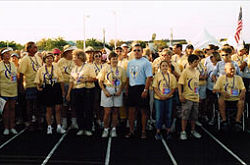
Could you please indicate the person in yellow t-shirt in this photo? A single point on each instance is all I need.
(122, 62)
(82, 79)
(188, 88)
(28, 67)
(112, 80)
(8, 91)
(66, 64)
(98, 110)
(231, 89)
(164, 85)
(240, 56)
(49, 82)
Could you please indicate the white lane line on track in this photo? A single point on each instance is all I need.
(223, 146)
(53, 150)
(169, 152)
(108, 151)
(4, 144)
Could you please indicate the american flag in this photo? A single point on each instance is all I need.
(239, 27)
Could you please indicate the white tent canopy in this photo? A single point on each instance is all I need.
(203, 39)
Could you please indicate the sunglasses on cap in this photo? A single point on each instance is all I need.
(136, 50)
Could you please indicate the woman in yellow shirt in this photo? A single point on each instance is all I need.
(48, 81)
(112, 80)
(8, 90)
(82, 79)
(98, 67)
(164, 85)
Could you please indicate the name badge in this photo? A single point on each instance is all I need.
(54, 80)
(235, 92)
(166, 91)
(196, 90)
(116, 82)
(13, 78)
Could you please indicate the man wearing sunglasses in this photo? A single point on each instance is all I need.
(226, 53)
(139, 74)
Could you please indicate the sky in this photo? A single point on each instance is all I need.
(24, 21)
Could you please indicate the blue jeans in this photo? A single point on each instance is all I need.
(163, 110)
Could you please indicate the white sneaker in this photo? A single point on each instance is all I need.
(88, 133)
(6, 131)
(105, 133)
(79, 133)
(113, 133)
(60, 130)
(49, 130)
(195, 134)
(183, 135)
(13, 131)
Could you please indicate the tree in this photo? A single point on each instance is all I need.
(112, 43)
(12, 44)
(49, 44)
(160, 43)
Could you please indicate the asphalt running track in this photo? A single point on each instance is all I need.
(38, 148)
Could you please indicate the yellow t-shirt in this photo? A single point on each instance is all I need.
(123, 63)
(8, 79)
(183, 62)
(203, 71)
(29, 66)
(166, 85)
(44, 75)
(190, 81)
(113, 77)
(231, 85)
(84, 71)
(98, 68)
(65, 66)
(175, 58)
(238, 59)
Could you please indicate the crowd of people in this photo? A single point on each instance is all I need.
(96, 88)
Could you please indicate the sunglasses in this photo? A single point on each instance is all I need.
(98, 56)
(137, 50)
(225, 55)
(56, 54)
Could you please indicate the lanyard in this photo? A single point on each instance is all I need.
(116, 72)
(200, 68)
(115, 77)
(34, 63)
(78, 73)
(233, 81)
(66, 68)
(240, 60)
(98, 69)
(8, 70)
(50, 75)
(167, 81)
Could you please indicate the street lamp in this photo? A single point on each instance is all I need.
(115, 14)
(84, 29)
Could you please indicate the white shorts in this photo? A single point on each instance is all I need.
(113, 101)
